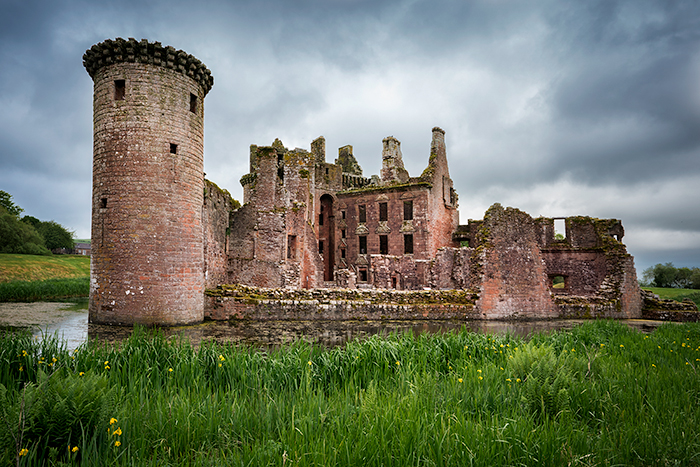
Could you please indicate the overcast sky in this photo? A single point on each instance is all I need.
(555, 107)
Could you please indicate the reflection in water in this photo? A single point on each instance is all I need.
(69, 322)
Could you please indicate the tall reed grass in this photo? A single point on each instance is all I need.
(601, 394)
(51, 289)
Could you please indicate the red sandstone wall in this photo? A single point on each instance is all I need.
(147, 236)
(215, 218)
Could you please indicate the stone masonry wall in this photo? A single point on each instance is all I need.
(147, 235)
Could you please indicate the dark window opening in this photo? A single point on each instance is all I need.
(342, 253)
(558, 282)
(408, 244)
(320, 219)
(291, 246)
(103, 202)
(280, 166)
(119, 89)
(408, 210)
(342, 215)
(342, 233)
(362, 213)
(326, 170)
(193, 103)
(320, 246)
(363, 244)
(363, 275)
(383, 215)
(383, 244)
(393, 282)
(173, 148)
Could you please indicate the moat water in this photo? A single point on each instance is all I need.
(69, 321)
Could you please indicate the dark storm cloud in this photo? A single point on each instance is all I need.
(557, 107)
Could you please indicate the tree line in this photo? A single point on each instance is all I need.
(27, 234)
(669, 276)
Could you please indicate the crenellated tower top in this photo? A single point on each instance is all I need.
(123, 51)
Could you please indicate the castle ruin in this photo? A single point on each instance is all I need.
(162, 235)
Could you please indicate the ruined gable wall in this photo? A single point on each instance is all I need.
(509, 267)
(442, 209)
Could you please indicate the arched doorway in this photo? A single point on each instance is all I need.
(326, 236)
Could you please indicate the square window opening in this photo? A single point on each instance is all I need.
(363, 275)
(173, 148)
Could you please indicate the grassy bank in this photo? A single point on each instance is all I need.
(28, 278)
(676, 294)
(31, 268)
(52, 289)
(601, 394)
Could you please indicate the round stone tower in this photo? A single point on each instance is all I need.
(147, 183)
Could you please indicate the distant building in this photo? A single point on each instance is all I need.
(82, 249)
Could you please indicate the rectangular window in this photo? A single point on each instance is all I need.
(342, 233)
(363, 274)
(291, 246)
(383, 244)
(362, 213)
(320, 246)
(320, 219)
(342, 215)
(173, 148)
(383, 215)
(119, 89)
(363, 244)
(342, 253)
(408, 244)
(408, 210)
(193, 103)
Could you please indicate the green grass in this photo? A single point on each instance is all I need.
(39, 268)
(28, 278)
(51, 289)
(602, 394)
(676, 294)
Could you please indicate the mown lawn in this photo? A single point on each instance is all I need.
(601, 394)
(39, 268)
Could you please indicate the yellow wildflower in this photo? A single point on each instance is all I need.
(117, 443)
(117, 432)
(75, 449)
(398, 363)
(21, 368)
(23, 452)
(112, 421)
(622, 346)
(54, 359)
(106, 362)
(107, 367)
(653, 365)
(170, 370)
(221, 357)
(459, 380)
(478, 371)
(219, 364)
(508, 379)
(81, 373)
(24, 353)
(481, 377)
(517, 380)
(310, 363)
